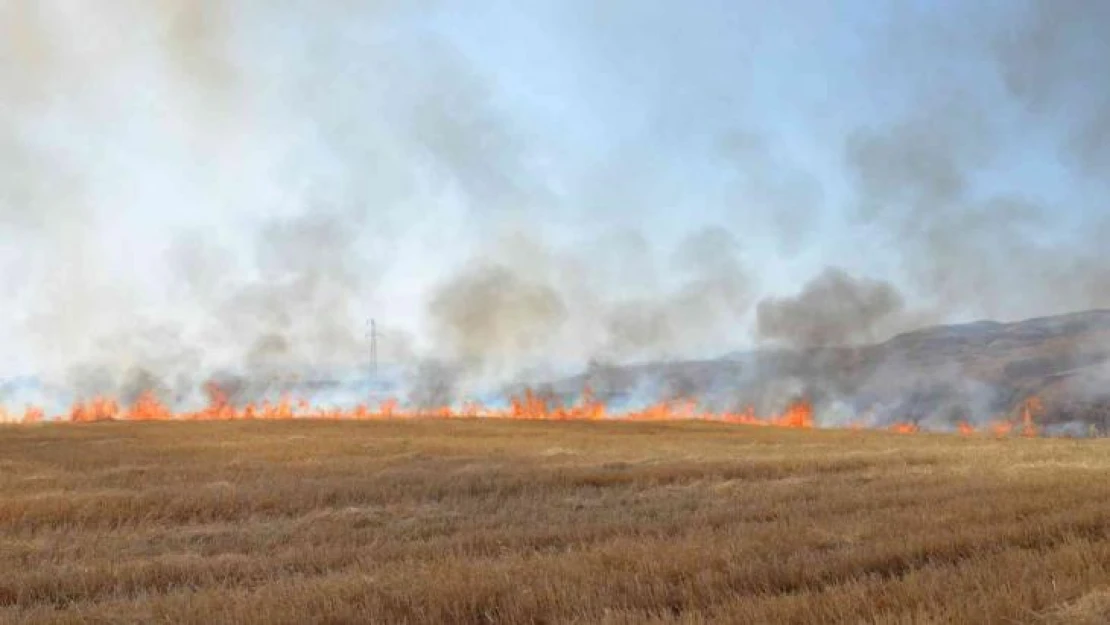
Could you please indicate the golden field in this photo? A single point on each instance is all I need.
(496, 521)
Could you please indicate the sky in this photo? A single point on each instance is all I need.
(191, 185)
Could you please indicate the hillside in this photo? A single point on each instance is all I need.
(936, 375)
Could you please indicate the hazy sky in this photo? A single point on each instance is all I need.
(211, 182)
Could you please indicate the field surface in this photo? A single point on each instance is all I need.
(533, 522)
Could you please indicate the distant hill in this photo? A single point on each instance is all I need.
(938, 375)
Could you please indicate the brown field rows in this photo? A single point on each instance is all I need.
(460, 521)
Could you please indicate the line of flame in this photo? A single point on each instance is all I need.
(528, 406)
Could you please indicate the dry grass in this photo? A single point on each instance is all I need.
(502, 522)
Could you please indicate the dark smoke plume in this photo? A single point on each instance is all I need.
(832, 309)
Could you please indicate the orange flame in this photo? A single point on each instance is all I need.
(904, 428)
(527, 406)
(1032, 406)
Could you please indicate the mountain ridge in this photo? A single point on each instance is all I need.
(936, 375)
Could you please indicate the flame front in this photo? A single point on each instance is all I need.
(530, 405)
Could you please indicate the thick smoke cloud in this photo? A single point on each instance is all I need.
(530, 308)
(192, 189)
(175, 211)
(710, 300)
(491, 316)
(832, 309)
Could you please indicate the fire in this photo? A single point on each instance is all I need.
(1001, 428)
(529, 405)
(148, 408)
(1032, 406)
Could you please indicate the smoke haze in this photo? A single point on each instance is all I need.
(194, 188)
(832, 309)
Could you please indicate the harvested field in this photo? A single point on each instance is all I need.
(461, 521)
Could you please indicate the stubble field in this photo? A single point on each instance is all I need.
(460, 521)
